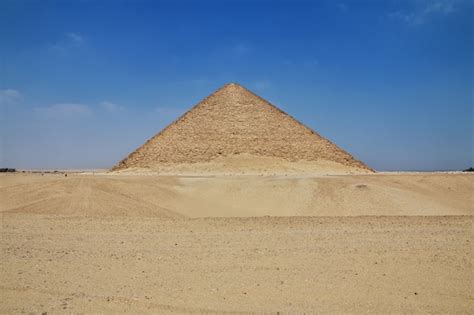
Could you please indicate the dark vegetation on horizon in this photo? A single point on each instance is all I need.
(7, 170)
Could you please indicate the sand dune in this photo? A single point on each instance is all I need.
(239, 196)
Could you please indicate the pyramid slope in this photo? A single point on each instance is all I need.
(234, 121)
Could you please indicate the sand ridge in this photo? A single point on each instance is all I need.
(238, 196)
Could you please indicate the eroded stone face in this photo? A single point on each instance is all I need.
(235, 121)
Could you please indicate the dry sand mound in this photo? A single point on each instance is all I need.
(231, 122)
(82, 196)
(238, 196)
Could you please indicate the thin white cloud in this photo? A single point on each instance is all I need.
(440, 6)
(64, 110)
(111, 107)
(424, 11)
(75, 38)
(9, 96)
(68, 41)
(56, 48)
(408, 18)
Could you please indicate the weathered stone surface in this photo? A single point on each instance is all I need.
(233, 121)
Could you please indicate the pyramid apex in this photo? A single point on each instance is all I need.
(232, 84)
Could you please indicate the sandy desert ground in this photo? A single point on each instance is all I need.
(381, 243)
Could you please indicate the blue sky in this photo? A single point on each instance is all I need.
(83, 83)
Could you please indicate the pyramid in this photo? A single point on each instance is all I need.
(230, 122)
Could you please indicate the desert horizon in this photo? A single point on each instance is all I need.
(236, 157)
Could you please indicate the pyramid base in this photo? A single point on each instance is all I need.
(247, 164)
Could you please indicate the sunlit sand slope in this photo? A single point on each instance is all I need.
(238, 196)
